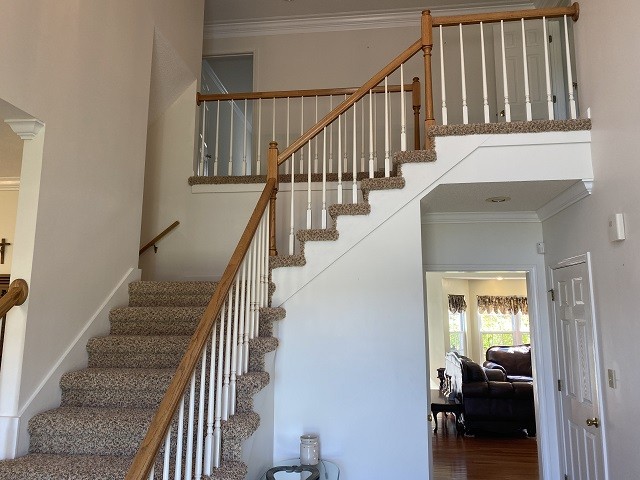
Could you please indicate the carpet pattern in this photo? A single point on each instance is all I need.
(106, 408)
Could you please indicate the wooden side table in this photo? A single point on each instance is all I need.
(447, 406)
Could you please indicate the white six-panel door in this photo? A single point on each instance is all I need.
(578, 373)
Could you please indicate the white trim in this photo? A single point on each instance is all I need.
(9, 183)
(349, 22)
(571, 195)
(25, 128)
(480, 217)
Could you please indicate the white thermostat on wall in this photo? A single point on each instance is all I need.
(616, 227)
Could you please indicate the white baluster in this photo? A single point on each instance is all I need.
(465, 109)
(230, 167)
(371, 144)
(387, 167)
(507, 107)
(323, 215)
(265, 264)
(301, 168)
(208, 446)
(547, 70)
(152, 473)
(315, 158)
(354, 187)
(330, 137)
(243, 292)
(258, 144)
(309, 186)
(227, 359)
(203, 142)
(485, 96)
(572, 100)
(273, 120)
(254, 289)
(375, 132)
(234, 348)
(292, 210)
(215, 162)
(345, 160)
(178, 468)
(362, 150)
(217, 426)
(443, 84)
(190, 426)
(525, 61)
(247, 308)
(201, 424)
(403, 112)
(339, 158)
(167, 455)
(244, 148)
(288, 133)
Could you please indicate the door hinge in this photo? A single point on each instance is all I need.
(566, 477)
(553, 295)
(550, 39)
(555, 100)
(559, 385)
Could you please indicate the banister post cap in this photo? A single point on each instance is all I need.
(273, 144)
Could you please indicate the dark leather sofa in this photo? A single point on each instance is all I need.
(513, 361)
(490, 403)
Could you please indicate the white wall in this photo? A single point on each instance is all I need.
(8, 209)
(608, 65)
(10, 151)
(352, 367)
(84, 70)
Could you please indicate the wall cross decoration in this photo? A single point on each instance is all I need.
(3, 245)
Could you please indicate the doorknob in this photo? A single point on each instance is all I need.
(593, 422)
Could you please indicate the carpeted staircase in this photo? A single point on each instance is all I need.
(107, 407)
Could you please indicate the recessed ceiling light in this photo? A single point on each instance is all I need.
(497, 199)
(499, 278)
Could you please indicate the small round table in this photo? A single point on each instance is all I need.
(328, 471)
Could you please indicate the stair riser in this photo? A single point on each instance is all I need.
(123, 327)
(169, 300)
(132, 360)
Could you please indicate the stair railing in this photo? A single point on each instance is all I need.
(187, 424)
(187, 428)
(10, 296)
(157, 238)
(232, 123)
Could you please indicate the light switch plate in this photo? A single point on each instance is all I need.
(611, 376)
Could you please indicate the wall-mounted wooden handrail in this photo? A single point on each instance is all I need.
(348, 103)
(323, 92)
(16, 295)
(158, 237)
(146, 455)
(573, 11)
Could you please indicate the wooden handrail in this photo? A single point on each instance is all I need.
(158, 237)
(573, 11)
(146, 455)
(323, 92)
(16, 295)
(348, 103)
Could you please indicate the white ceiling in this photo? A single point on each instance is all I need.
(471, 197)
(227, 11)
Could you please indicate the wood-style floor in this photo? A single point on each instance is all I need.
(456, 457)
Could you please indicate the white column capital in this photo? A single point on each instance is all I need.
(26, 128)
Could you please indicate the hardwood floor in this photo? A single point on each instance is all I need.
(456, 457)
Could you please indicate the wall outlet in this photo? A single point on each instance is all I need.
(611, 377)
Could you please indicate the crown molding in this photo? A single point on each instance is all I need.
(480, 217)
(25, 128)
(571, 195)
(337, 23)
(9, 183)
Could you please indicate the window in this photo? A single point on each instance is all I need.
(457, 332)
(503, 321)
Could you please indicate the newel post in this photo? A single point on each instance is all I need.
(417, 100)
(427, 46)
(272, 173)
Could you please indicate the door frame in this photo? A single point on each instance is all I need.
(543, 360)
(567, 262)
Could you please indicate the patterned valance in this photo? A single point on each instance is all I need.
(488, 304)
(457, 303)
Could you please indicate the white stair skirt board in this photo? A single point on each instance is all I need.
(467, 159)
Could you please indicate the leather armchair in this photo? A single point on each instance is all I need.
(498, 406)
(513, 361)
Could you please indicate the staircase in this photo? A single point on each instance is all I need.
(107, 407)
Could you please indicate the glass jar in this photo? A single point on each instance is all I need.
(309, 450)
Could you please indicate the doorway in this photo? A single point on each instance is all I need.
(470, 312)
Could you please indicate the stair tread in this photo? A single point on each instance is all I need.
(147, 287)
(81, 420)
(109, 378)
(240, 426)
(42, 466)
(139, 343)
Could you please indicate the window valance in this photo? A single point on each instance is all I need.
(489, 304)
(457, 303)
